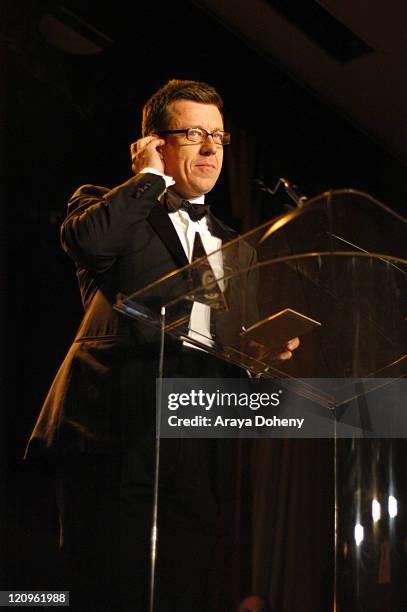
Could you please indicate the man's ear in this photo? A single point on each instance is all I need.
(162, 150)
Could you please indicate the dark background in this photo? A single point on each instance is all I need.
(68, 119)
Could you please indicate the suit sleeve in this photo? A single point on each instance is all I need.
(100, 221)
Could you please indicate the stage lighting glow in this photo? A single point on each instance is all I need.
(376, 511)
(392, 506)
(359, 534)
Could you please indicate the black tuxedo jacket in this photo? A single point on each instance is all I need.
(103, 396)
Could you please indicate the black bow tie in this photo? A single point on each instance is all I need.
(195, 211)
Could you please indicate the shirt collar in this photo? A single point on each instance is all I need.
(173, 197)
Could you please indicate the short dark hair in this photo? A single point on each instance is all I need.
(155, 110)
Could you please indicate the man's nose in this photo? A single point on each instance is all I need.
(208, 147)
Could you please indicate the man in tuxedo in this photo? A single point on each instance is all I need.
(98, 420)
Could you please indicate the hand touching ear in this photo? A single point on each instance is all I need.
(145, 154)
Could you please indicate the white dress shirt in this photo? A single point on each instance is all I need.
(199, 323)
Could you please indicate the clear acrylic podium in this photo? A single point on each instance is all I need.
(333, 271)
(340, 260)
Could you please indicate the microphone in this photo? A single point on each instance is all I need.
(291, 190)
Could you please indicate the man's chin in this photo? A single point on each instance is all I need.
(194, 190)
(204, 186)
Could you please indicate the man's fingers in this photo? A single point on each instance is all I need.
(148, 141)
(284, 356)
(293, 344)
(144, 153)
(286, 352)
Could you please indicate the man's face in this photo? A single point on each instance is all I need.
(195, 167)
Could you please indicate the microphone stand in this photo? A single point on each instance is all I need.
(290, 189)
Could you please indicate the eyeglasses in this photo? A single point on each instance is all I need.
(200, 135)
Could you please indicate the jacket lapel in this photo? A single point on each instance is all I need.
(220, 230)
(164, 227)
(161, 222)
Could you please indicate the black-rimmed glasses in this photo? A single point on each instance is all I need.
(200, 135)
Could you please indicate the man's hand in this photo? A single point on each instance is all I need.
(259, 351)
(287, 350)
(144, 154)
